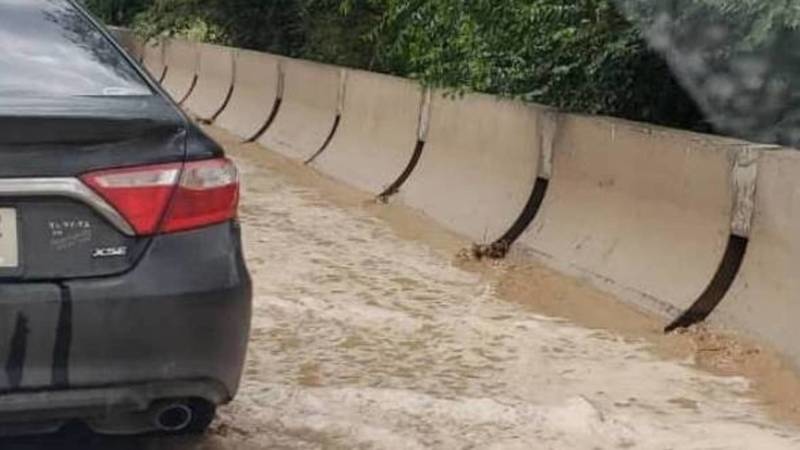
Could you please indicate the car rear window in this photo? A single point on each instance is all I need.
(49, 48)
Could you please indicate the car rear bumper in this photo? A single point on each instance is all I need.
(124, 409)
(175, 327)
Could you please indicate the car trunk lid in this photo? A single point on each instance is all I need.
(62, 230)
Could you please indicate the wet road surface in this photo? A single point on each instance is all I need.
(364, 337)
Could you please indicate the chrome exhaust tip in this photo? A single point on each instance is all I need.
(173, 417)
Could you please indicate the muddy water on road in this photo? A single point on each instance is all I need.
(368, 333)
(366, 338)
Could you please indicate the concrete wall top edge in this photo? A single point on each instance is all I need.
(660, 130)
(182, 43)
(489, 100)
(780, 153)
(309, 64)
(153, 44)
(668, 138)
(707, 140)
(354, 78)
(246, 51)
(389, 77)
(215, 48)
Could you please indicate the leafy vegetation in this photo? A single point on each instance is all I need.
(579, 55)
(596, 56)
(118, 12)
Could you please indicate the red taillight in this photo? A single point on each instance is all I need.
(208, 193)
(170, 197)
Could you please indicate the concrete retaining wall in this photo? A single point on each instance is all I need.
(642, 211)
(308, 109)
(479, 165)
(648, 213)
(378, 131)
(765, 299)
(214, 81)
(181, 59)
(256, 88)
(215, 73)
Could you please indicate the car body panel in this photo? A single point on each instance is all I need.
(162, 322)
(88, 332)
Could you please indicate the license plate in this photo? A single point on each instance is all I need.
(9, 243)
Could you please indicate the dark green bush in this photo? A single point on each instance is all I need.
(580, 55)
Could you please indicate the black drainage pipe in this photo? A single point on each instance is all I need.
(720, 285)
(163, 74)
(272, 115)
(394, 188)
(191, 89)
(327, 141)
(500, 248)
(225, 102)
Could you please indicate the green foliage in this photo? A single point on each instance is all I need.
(269, 26)
(338, 30)
(581, 55)
(117, 12)
(316, 29)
